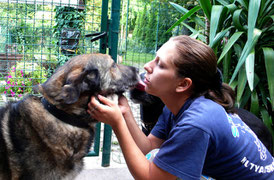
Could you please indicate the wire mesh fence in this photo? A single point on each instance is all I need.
(38, 36)
(143, 29)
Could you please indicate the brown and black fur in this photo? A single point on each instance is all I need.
(47, 137)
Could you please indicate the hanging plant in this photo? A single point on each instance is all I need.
(67, 31)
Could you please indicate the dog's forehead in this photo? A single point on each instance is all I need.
(100, 59)
(91, 58)
(89, 61)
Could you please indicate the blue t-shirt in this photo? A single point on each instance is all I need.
(203, 139)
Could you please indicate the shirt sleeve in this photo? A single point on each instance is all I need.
(183, 153)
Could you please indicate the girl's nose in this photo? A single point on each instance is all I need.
(148, 67)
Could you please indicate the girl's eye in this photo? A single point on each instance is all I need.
(160, 66)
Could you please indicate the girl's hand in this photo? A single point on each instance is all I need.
(105, 111)
(124, 106)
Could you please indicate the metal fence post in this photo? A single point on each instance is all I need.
(113, 47)
(104, 26)
(114, 28)
(126, 29)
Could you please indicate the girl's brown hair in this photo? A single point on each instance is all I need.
(198, 62)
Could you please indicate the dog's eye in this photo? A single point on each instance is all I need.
(113, 66)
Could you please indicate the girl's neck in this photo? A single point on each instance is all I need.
(175, 103)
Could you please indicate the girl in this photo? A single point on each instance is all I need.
(198, 132)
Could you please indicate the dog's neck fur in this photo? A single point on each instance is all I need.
(63, 116)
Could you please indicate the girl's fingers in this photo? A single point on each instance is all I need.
(99, 105)
(105, 100)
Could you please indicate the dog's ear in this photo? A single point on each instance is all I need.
(70, 94)
(88, 80)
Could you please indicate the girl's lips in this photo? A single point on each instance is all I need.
(146, 81)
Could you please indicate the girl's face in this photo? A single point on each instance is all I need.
(161, 78)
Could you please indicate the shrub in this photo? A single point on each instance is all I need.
(22, 77)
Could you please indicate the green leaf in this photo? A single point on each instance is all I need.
(249, 68)
(263, 94)
(267, 119)
(268, 122)
(206, 6)
(219, 37)
(247, 49)
(184, 17)
(233, 85)
(253, 11)
(236, 20)
(214, 21)
(231, 7)
(254, 107)
(240, 86)
(229, 44)
(195, 33)
(243, 3)
(246, 96)
(269, 66)
(183, 10)
(223, 2)
(179, 8)
(226, 66)
(238, 50)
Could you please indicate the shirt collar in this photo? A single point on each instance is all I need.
(183, 108)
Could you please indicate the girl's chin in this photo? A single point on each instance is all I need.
(149, 91)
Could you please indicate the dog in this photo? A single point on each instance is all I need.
(151, 108)
(46, 137)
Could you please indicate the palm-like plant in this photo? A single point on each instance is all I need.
(241, 32)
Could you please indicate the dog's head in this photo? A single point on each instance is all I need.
(72, 85)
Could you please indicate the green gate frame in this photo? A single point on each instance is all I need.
(111, 27)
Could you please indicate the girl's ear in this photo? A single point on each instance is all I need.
(184, 85)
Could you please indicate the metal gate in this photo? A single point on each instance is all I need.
(37, 36)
